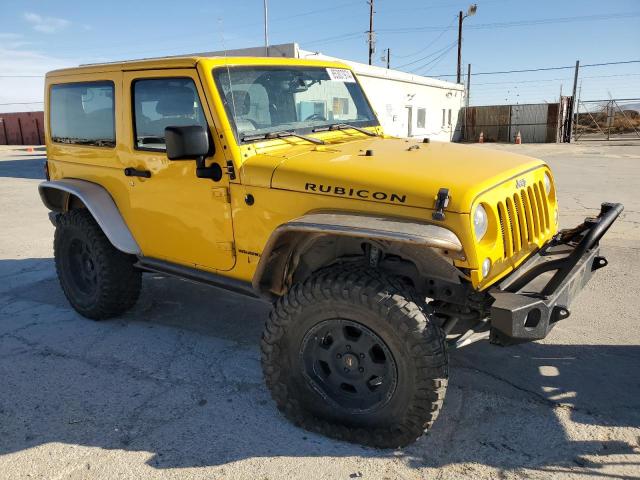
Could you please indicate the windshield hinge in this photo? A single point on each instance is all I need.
(442, 202)
(231, 171)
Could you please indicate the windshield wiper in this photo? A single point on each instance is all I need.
(281, 134)
(342, 126)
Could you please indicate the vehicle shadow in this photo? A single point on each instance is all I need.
(179, 377)
(31, 168)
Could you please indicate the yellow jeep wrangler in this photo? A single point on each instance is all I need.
(273, 178)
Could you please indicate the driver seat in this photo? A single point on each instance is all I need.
(241, 107)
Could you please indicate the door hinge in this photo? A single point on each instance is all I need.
(231, 171)
(222, 193)
(226, 246)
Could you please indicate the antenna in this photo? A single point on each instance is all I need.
(226, 63)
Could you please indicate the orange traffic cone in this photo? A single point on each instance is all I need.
(518, 138)
(481, 138)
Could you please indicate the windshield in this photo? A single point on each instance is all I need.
(261, 100)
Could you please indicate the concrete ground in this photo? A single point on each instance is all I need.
(174, 388)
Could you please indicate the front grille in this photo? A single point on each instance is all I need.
(524, 218)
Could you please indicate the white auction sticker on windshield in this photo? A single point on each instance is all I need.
(341, 75)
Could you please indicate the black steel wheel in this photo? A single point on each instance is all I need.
(98, 280)
(351, 353)
(82, 267)
(349, 364)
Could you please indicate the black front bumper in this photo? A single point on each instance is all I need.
(535, 296)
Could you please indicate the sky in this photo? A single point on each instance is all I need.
(38, 35)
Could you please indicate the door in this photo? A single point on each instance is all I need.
(409, 121)
(174, 215)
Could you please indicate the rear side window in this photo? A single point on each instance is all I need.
(164, 102)
(83, 114)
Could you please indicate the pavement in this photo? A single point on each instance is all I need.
(173, 389)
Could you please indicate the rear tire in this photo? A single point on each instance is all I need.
(346, 320)
(99, 281)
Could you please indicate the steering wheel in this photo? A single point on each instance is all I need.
(315, 116)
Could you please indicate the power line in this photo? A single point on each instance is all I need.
(436, 60)
(548, 68)
(21, 103)
(334, 38)
(556, 79)
(444, 30)
(425, 57)
(519, 23)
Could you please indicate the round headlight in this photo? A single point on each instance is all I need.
(486, 266)
(480, 222)
(547, 183)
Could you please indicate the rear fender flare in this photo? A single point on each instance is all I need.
(57, 196)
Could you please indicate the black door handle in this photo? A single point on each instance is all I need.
(132, 172)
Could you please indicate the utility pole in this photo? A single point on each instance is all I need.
(465, 135)
(470, 11)
(388, 58)
(371, 34)
(559, 128)
(460, 18)
(468, 83)
(266, 29)
(573, 101)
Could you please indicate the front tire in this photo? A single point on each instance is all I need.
(350, 353)
(99, 281)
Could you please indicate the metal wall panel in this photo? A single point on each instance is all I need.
(22, 128)
(537, 123)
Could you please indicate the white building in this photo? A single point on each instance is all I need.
(407, 105)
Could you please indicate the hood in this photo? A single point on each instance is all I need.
(394, 171)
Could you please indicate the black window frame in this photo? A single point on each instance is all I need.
(90, 82)
(133, 110)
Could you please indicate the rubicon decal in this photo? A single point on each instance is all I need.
(362, 193)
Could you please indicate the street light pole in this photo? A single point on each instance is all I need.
(266, 29)
(471, 11)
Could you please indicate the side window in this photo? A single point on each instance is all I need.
(83, 114)
(164, 102)
(444, 113)
(422, 117)
(449, 117)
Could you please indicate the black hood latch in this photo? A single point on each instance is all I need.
(442, 201)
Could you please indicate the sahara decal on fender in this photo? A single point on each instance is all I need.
(362, 193)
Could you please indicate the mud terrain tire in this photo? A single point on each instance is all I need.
(99, 281)
(344, 301)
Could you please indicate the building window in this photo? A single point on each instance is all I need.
(449, 117)
(163, 102)
(444, 117)
(83, 114)
(340, 106)
(422, 118)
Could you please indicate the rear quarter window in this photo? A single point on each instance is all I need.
(83, 113)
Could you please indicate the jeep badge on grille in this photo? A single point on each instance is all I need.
(521, 183)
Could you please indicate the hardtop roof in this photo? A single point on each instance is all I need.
(186, 62)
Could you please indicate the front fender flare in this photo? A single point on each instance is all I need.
(56, 196)
(284, 239)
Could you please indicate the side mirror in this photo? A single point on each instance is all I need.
(187, 143)
(192, 142)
